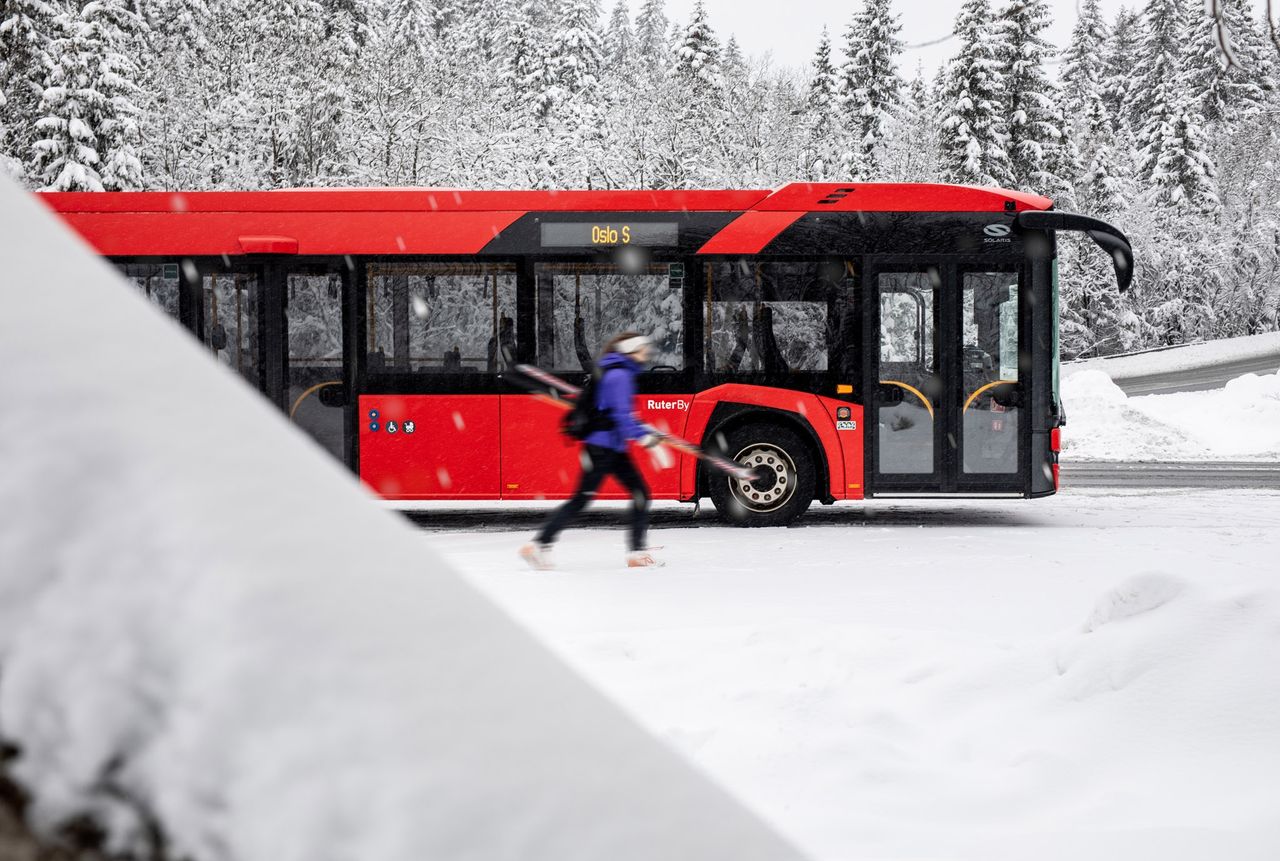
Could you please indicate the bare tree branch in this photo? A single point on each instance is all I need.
(1221, 35)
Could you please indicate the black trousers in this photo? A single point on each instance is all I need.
(603, 462)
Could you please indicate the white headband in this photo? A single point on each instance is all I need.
(632, 345)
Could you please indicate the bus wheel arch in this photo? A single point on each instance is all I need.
(772, 440)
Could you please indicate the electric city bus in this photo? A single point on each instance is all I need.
(859, 340)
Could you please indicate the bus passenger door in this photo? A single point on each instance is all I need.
(989, 394)
(942, 373)
(315, 376)
(904, 377)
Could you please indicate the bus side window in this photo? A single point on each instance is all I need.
(769, 318)
(158, 281)
(440, 318)
(582, 305)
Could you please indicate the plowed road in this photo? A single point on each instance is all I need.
(1196, 379)
(1243, 474)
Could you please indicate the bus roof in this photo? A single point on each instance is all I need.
(797, 196)
(461, 221)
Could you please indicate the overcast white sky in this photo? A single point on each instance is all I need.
(790, 28)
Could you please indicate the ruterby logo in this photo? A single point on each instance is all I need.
(654, 404)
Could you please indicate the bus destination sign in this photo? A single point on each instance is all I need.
(594, 234)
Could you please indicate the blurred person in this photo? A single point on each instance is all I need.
(613, 424)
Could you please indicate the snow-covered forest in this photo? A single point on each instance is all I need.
(1140, 120)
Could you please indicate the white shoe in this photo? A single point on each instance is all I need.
(538, 556)
(642, 559)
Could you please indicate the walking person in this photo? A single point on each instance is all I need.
(606, 451)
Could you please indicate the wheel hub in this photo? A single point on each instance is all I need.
(775, 477)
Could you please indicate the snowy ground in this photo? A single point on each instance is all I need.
(1240, 421)
(1086, 676)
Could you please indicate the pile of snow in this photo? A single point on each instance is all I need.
(1188, 357)
(204, 619)
(1238, 422)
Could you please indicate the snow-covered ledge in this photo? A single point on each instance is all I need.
(204, 618)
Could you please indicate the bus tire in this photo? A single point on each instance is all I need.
(785, 492)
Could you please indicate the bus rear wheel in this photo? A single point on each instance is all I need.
(785, 485)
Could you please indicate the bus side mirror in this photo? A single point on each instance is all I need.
(1106, 237)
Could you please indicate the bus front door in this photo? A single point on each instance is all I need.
(942, 374)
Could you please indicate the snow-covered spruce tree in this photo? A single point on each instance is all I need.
(1156, 63)
(697, 54)
(619, 40)
(325, 78)
(1031, 121)
(733, 63)
(67, 152)
(971, 140)
(575, 49)
(1119, 55)
(476, 36)
(1105, 187)
(27, 31)
(1174, 161)
(652, 47)
(1224, 93)
(1198, 58)
(695, 127)
(1082, 76)
(1062, 160)
(1082, 72)
(111, 32)
(820, 115)
(527, 71)
(870, 87)
(1096, 319)
(575, 62)
(407, 25)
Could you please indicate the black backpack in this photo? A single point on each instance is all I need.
(586, 417)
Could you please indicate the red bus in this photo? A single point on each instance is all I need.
(864, 339)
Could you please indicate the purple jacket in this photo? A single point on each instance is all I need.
(615, 395)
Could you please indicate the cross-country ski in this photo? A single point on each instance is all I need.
(554, 388)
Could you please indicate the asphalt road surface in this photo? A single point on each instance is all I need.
(1197, 379)
(1212, 474)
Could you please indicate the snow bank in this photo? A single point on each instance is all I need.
(1238, 422)
(1184, 358)
(202, 616)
